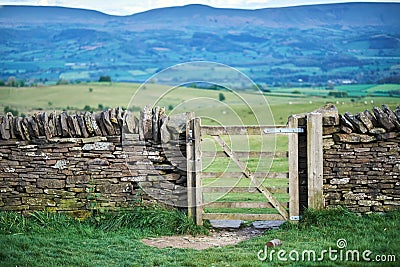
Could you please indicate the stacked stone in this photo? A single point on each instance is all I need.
(69, 171)
(364, 127)
(165, 147)
(50, 125)
(75, 176)
(362, 160)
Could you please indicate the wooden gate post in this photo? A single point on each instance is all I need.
(315, 161)
(197, 171)
(294, 204)
(194, 165)
(190, 173)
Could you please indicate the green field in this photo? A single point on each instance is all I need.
(243, 108)
(353, 90)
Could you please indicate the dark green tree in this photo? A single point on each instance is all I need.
(221, 97)
(105, 78)
(9, 109)
(87, 108)
(62, 82)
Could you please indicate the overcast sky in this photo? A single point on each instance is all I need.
(128, 7)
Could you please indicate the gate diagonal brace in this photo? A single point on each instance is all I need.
(250, 175)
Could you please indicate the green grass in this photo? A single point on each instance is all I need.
(254, 164)
(154, 220)
(364, 89)
(63, 241)
(247, 109)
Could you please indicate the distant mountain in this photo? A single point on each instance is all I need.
(42, 14)
(357, 42)
(348, 14)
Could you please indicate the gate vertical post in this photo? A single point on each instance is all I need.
(190, 174)
(294, 205)
(197, 171)
(315, 161)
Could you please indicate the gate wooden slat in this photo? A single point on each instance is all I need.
(257, 175)
(243, 216)
(237, 130)
(249, 174)
(244, 154)
(247, 189)
(247, 205)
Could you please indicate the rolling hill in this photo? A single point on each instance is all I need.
(352, 42)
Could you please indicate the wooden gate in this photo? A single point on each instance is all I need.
(232, 181)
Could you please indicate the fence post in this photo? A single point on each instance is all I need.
(190, 174)
(315, 161)
(197, 171)
(294, 204)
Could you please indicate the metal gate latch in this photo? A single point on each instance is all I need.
(283, 130)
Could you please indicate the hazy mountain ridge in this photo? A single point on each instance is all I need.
(348, 14)
(43, 14)
(356, 41)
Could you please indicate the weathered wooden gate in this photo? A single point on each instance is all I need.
(211, 190)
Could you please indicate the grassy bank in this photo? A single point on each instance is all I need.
(56, 240)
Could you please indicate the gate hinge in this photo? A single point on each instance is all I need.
(190, 137)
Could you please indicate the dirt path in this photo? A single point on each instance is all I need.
(215, 239)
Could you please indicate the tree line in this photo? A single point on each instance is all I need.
(14, 82)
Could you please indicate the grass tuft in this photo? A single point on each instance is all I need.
(323, 218)
(157, 220)
(12, 222)
(150, 220)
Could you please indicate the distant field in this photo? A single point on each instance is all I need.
(246, 108)
(353, 90)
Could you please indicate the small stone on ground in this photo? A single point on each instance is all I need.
(268, 225)
(226, 224)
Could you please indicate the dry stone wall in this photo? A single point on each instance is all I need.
(361, 159)
(80, 162)
(111, 160)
